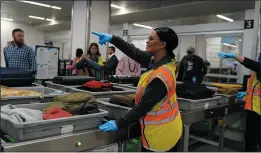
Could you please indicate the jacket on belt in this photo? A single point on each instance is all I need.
(253, 94)
(161, 128)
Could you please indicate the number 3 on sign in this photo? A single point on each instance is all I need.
(249, 24)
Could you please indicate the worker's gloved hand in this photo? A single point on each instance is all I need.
(109, 126)
(104, 38)
(241, 95)
(226, 55)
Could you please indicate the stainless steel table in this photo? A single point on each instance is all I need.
(73, 142)
(190, 117)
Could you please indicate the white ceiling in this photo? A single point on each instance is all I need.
(20, 11)
(142, 11)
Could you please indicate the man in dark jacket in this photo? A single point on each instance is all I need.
(111, 64)
(192, 66)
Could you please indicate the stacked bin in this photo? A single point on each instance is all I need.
(58, 86)
(47, 94)
(125, 91)
(46, 128)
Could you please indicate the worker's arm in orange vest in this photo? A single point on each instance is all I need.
(154, 92)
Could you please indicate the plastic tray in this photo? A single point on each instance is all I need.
(227, 99)
(47, 94)
(130, 86)
(107, 94)
(108, 148)
(115, 111)
(189, 104)
(46, 128)
(58, 86)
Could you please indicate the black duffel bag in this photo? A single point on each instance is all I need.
(16, 77)
(193, 91)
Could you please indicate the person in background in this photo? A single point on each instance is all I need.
(128, 67)
(49, 44)
(156, 106)
(252, 98)
(75, 71)
(18, 54)
(191, 66)
(94, 55)
(110, 66)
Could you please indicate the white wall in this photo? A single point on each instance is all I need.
(32, 36)
(62, 40)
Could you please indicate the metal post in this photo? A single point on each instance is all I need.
(222, 125)
(186, 138)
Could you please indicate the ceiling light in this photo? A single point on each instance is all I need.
(36, 3)
(116, 6)
(56, 7)
(7, 19)
(52, 20)
(143, 26)
(226, 44)
(36, 17)
(41, 4)
(225, 18)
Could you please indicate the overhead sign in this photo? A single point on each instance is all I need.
(125, 32)
(249, 24)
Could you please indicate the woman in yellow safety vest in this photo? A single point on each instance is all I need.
(156, 102)
(252, 98)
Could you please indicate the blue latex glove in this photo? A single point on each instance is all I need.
(104, 38)
(241, 95)
(226, 55)
(109, 126)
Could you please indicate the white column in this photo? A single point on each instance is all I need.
(119, 53)
(126, 27)
(79, 26)
(250, 38)
(100, 21)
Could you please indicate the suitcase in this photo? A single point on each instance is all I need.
(123, 79)
(72, 80)
(16, 77)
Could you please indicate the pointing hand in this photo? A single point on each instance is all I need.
(223, 55)
(104, 38)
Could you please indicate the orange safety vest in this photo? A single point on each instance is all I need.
(161, 128)
(253, 94)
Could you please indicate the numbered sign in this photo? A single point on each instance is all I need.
(125, 32)
(249, 24)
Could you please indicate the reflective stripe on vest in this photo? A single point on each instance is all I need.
(161, 119)
(171, 106)
(162, 74)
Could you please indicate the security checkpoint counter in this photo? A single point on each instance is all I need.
(90, 139)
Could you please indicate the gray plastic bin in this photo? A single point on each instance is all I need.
(130, 86)
(47, 94)
(115, 111)
(225, 99)
(58, 86)
(189, 104)
(45, 128)
(107, 94)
